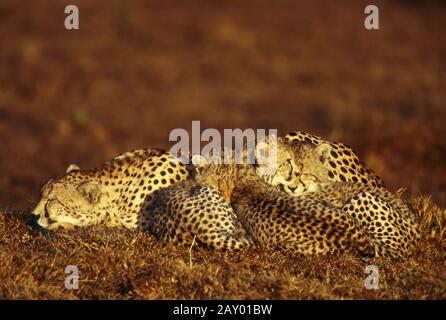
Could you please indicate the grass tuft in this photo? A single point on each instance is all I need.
(117, 263)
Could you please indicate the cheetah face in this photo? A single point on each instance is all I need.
(67, 202)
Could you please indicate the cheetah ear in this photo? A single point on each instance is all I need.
(72, 167)
(90, 190)
(199, 161)
(323, 151)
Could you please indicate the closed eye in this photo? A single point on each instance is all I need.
(53, 199)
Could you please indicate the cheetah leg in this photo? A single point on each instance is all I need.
(215, 225)
(223, 240)
(183, 212)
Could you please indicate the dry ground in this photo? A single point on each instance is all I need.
(124, 264)
(138, 69)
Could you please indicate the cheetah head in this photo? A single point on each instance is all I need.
(298, 168)
(68, 201)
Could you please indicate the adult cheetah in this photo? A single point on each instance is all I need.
(120, 194)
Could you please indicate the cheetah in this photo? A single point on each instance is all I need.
(342, 217)
(349, 185)
(319, 161)
(275, 219)
(119, 193)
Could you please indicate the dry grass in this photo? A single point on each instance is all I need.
(124, 264)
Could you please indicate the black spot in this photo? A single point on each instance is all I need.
(334, 154)
(332, 164)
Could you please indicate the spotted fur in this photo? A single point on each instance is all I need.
(341, 217)
(113, 194)
(135, 190)
(189, 209)
(278, 220)
(320, 161)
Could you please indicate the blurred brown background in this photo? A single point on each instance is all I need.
(138, 69)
